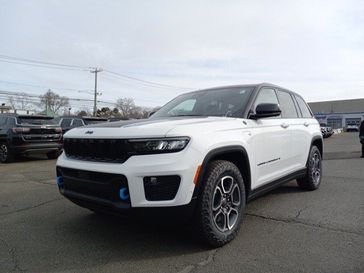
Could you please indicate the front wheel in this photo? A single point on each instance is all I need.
(6, 156)
(221, 204)
(312, 180)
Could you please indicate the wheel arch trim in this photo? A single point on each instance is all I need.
(219, 152)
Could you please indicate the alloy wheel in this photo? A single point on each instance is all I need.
(3, 152)
(226, 203)
(316, 167)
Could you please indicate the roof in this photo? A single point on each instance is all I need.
(25, 116)
(84, 117)
(256, 86)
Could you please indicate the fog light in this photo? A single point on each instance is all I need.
(153, 180)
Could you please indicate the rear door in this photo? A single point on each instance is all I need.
(294, 127)
(3, 128)
(308, 126)
(269, 140)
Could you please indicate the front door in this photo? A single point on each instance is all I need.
(270, 139)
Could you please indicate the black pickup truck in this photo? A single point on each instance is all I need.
(26, 134)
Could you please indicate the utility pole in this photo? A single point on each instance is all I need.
(95, 70)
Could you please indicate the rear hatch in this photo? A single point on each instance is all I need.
(38, 129)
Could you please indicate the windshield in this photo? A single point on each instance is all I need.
(224, 102)
(36, 120)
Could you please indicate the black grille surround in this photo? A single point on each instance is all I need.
(98, 150)
(95, 187)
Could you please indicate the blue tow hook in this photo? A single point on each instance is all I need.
(60, 181)
(124, 194)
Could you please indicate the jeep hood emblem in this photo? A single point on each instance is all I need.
(89, 132)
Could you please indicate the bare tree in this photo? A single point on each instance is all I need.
(53, 101)
(20, 102)
(126, 107)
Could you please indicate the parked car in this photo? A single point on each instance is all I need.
(207, 152)
(326, 131)
(26, 134)
(352, 128)
(114, 119)
(69, 122)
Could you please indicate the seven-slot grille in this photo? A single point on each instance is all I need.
(100, 150)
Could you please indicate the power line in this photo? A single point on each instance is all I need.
(24, 94)
(44, 66)
(42, 62)
(43, 86)
(144, 81)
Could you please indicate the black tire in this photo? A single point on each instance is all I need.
(312, 180)
(211, 215)
(6, 156)
(53, 155)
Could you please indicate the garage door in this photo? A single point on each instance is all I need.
(335, 123)
(352, 121)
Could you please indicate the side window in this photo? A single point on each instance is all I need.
(287, 105)
(66, 122)
(306, 113)
(77, 123)
(2, 121)
(11, 122)
(266, 95)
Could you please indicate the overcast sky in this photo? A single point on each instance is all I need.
(315, 48)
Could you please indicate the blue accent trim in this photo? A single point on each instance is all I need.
(60, 181)
(124, 194)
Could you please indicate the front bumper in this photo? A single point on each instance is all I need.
(182, 164)
(28, 148)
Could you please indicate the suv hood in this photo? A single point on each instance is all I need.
(144, 128)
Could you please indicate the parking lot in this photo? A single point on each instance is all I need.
(287, 230)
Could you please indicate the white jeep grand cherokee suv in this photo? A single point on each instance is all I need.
(210, 150)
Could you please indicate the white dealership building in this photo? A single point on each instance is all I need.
(339, 113)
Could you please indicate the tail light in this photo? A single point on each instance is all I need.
(17, 130)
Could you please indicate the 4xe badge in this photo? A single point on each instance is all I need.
(89, 132)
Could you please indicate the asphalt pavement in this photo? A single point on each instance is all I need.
(287, 230)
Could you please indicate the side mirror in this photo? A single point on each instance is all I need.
(266, 110)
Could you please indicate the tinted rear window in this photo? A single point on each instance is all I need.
(36, 120)
(66, 122)
(306, 113)
(94, 121)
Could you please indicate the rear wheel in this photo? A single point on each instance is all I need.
(222, 202)
(6, 155)
(312, 180)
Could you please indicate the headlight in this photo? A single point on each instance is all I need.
(159, 145)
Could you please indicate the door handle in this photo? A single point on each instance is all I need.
(306, 124)
(284, 125)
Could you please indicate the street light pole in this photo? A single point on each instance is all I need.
(95, 70)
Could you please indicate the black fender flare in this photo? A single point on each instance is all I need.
(216, 152)
(315, 138)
